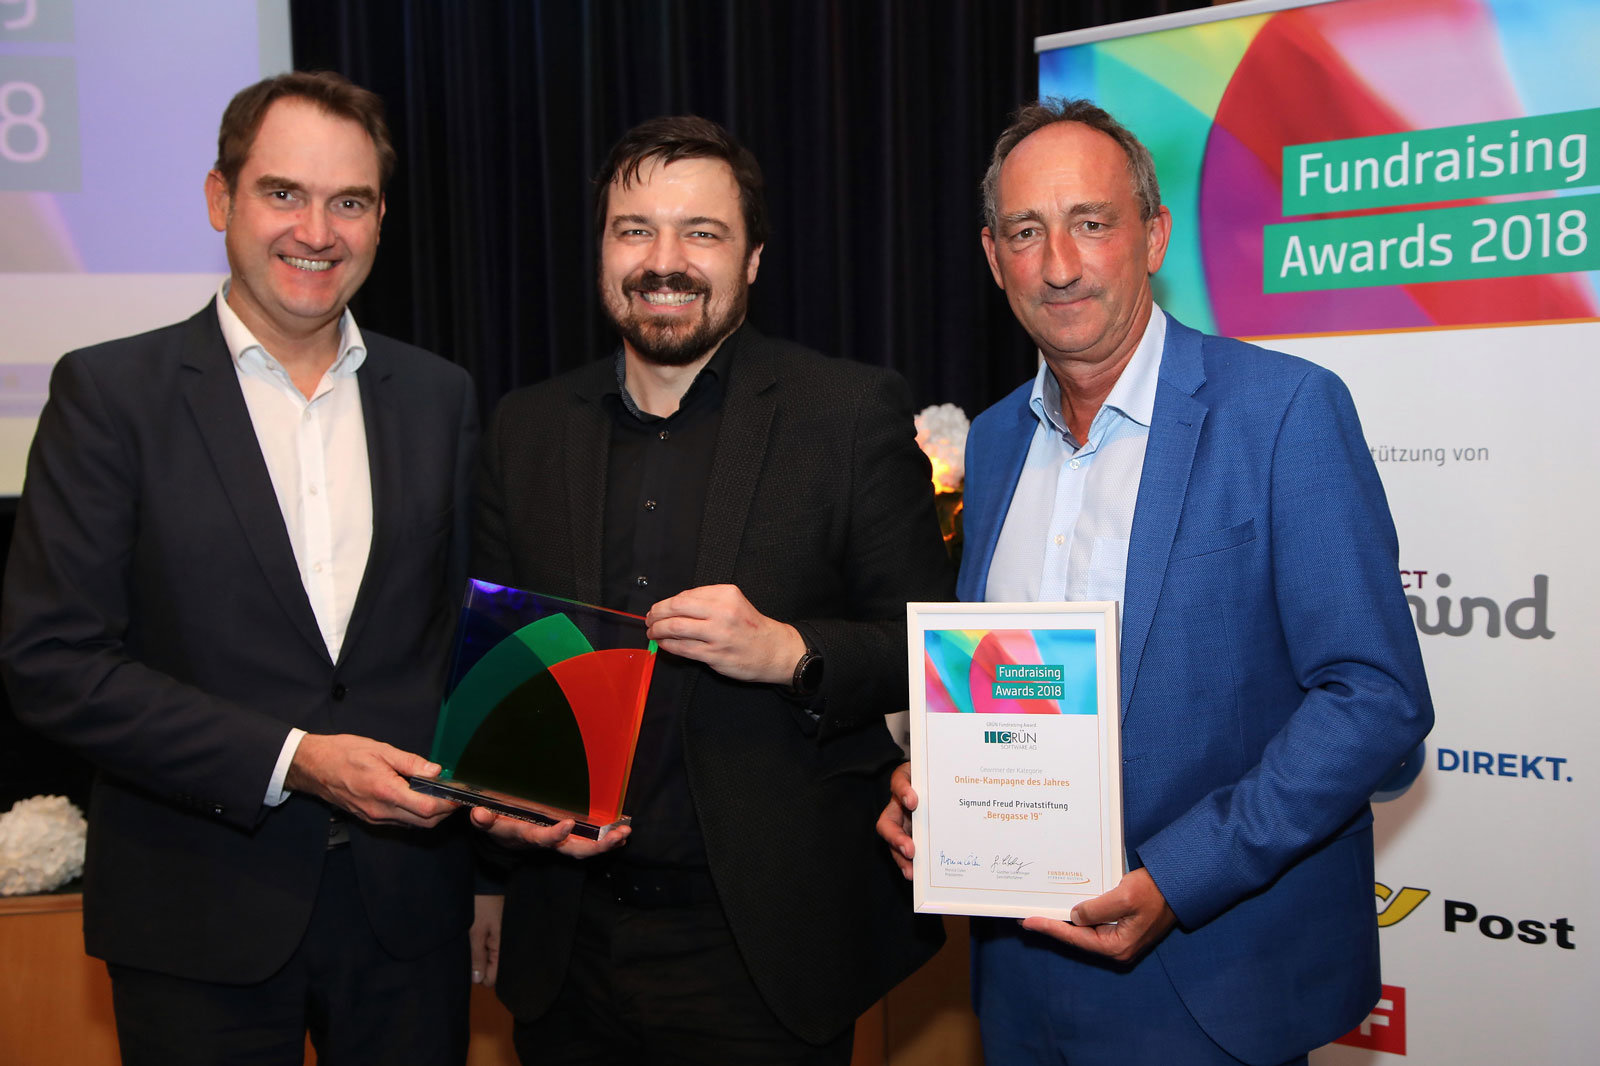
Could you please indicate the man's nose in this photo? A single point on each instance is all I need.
(666, 254)
(1062, 264)
(312, 228)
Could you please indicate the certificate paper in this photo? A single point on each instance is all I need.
(1015, 756)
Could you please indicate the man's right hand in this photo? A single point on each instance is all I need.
(894, 824)
(518, 833)
(367, 778)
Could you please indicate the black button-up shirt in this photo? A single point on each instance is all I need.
(656, 481)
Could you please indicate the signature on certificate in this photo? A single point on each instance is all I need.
(968, 859)
(1009, 864)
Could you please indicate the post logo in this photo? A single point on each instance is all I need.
(1385, 1028)
(1397, 904)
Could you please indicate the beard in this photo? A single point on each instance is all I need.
(675, 343)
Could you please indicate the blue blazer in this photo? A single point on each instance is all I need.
(1270, 679)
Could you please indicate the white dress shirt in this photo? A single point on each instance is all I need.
(316, 454)
(1065, 535)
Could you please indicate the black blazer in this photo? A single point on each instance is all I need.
(820, 508)
(154, 620)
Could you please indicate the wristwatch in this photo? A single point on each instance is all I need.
(807, 674)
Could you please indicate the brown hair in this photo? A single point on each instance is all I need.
(674, 137)
(332, 92)
(1031, 118)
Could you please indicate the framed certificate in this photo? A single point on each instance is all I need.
(1015, 756)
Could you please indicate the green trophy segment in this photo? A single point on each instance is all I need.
(1540, 153)
(1549, 235)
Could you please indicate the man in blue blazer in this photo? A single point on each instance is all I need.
(1270, 670)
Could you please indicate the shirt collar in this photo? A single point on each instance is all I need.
(241, 342)
(715, 370)
(1134, 394)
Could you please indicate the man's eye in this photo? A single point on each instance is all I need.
(1026, 233)
(349, 208)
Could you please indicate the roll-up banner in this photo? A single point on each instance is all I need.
(1408, 192)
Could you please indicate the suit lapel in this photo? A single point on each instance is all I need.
(385, 466)
(747, 411)
(211, 391)
(1163, 484)
(997, 464)
(588, 434)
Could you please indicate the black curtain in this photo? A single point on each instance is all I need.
(872, 119)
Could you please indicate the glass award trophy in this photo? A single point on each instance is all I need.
(542, 710)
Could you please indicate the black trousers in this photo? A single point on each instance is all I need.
(359, 1004)
(664, 986)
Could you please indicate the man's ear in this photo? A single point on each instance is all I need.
(752, 264)
(1156, 234)
(994, 262)
(219, 201)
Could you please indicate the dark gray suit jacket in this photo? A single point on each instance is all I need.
(154, 620)
(820, 508)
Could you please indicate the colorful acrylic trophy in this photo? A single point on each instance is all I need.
(542, 712)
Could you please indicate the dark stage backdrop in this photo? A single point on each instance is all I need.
(872, 119)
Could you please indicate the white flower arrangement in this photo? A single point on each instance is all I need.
(942, 435)
(41, 845)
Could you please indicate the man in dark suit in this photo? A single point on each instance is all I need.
(768, 511)
(1270, 674)
(232, 585)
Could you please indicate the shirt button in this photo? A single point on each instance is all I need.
(649, 505)
(641, 581)
(664, 434)
(1060, 539)
(307, 416)
(316, 568)
(313, 490)
(1075, 464)
(338, 692)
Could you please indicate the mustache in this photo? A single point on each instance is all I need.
(649, 281)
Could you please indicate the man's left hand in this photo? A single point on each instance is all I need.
(1137, 907)
(715, 625)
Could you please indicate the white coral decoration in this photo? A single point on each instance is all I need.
(942, 435)
(41, 845)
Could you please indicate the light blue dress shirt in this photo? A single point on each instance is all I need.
(1065, 535)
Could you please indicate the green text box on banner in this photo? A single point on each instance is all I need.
(1544, 236)
(1539, 153)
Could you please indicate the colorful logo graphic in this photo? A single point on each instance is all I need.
(1010, 671)
(1318, 186)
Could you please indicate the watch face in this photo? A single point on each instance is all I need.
(811, 673)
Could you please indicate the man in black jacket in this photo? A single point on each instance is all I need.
(768, 511)
(234, 575)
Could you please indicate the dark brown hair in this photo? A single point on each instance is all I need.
(332, 92)
(674, 137)
(1031, 118)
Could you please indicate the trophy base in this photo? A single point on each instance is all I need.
(513, 806)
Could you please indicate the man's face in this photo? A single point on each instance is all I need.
(675, 271)
(1071, 251)
(302, 222)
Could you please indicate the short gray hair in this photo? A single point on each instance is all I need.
(1031, 118)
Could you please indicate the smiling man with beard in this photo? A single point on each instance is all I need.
(768, 511)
